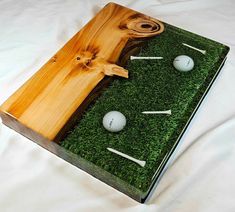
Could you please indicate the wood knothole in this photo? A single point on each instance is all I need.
(142, 26)
(146, 26)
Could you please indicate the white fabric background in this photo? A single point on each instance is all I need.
(201, 178)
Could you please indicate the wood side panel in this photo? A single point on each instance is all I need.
(49, 101)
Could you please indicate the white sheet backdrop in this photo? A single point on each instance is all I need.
(201, 178)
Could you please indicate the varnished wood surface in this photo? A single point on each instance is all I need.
(51, 98)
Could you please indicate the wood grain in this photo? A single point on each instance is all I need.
(50, 100)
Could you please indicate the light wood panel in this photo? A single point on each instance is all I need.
(61, 90)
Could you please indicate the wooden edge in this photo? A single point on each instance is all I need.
(19, 127)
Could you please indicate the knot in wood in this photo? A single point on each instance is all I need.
(86, 58)
(141, 26)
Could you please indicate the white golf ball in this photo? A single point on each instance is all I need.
(183, 63)
(114, 121)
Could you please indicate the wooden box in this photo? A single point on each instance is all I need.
(46, 108)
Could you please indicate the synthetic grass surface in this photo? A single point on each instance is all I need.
(152, 85)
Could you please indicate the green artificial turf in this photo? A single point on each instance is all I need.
(152, 85)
